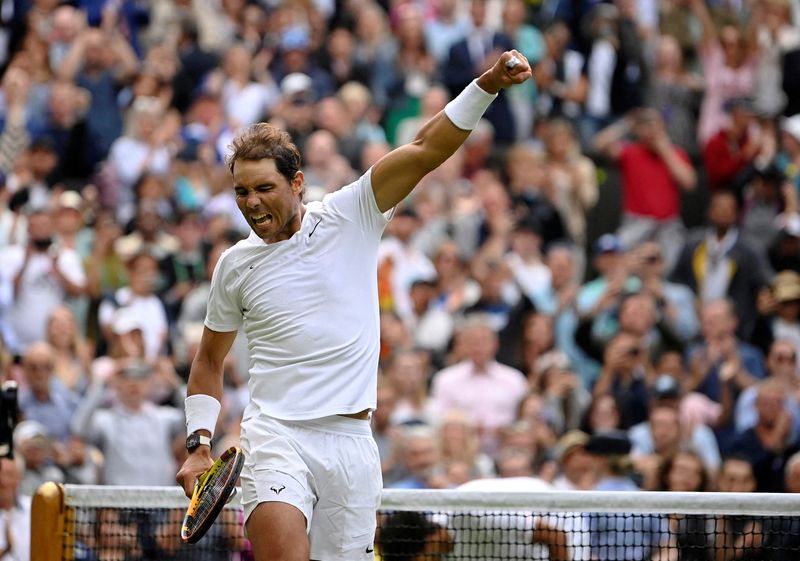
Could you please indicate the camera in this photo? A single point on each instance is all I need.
(8, 418)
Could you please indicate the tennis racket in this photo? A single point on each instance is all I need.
(213, 489)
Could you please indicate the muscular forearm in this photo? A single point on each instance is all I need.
(205, 377)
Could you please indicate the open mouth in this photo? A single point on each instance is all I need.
(260, 219)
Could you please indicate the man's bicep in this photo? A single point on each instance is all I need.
(214, 347)
(398, 172)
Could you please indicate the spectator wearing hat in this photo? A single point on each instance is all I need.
(733, 148)
(294, 50)
(69, 220)
(36, 449)
(612, 468)
(654, 173)
(779, 311)
(130, 429)
(666, 433)
(34, 280)
(784, 252)
(139, 300)
(720, 264)
(575, 464)
(612, 280)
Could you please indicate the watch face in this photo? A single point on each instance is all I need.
(192, 442)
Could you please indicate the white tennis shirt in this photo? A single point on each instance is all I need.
(309, 307)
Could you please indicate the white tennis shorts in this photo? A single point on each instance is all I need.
(328, 468)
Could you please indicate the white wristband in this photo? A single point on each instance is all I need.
(469, 106)
(201, 413)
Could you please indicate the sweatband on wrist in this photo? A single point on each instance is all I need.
(201, 413)
(466, 110)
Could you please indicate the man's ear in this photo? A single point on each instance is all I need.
(298, 181)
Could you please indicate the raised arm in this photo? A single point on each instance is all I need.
(709, 31)
(397, 173)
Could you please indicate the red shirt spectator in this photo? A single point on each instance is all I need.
(648, 187)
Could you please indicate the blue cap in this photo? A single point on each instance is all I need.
(295, 38)
(607, 243)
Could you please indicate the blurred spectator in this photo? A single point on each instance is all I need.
(781, 366)
(668, 430)
(684, 471)
(101, 61)
(45, 398)
(460, 442)
(433, 101)
(143, 149)
(769, 443)
(788, 159)
(324, 166)
(729, 61)
(469, 57)
(779, 312)
(575, 464)
(674, 302)
(406, 374)
(612, 468)
(626, 369)
(37, 453)
(131, 428)
(721, 265)
(71, 355)
(734, 533)
(419, 457)
(675, 92)
(184, 269)
(768, 200)
(447, 27)
(730, 150)
(571, 178)
(652, 212)
(36, 278)
(487, 391)
(602, 415)
(139, 302)
(15, 514)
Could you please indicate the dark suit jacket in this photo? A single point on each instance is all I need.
(748, 277)
(460, 69)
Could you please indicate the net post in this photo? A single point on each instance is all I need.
(47, 523)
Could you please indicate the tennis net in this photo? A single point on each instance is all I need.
(92, 523)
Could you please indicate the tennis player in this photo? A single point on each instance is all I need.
(303, 285)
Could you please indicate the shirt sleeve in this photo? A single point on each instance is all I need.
(356, 202)
(224, 311)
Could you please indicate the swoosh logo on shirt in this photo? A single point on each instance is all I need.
(315, 227)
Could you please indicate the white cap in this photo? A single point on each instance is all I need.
(28, 430)
(295, 83)
(126, 320)
(792, 126)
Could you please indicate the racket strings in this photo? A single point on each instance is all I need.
(214, 488)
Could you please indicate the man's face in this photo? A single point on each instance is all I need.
(269, 202)
(782, 360)
(736, 476)
(38, 367)
(723, 212)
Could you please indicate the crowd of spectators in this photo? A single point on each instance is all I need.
(512, 332)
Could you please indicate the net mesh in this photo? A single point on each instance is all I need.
(144, 524)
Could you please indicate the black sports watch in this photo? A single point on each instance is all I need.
(194, 440)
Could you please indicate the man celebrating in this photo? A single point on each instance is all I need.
(304, 287)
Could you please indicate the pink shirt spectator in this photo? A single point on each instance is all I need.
(722, 84)
(490, 397)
